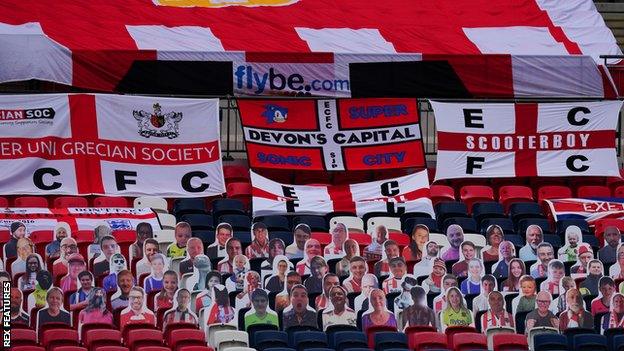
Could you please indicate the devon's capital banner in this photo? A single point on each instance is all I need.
(485, 140)
(332, 134)
(409, 193)
(79, 144)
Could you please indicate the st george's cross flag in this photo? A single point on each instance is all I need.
(485, 140)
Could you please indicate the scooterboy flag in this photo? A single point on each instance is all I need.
(334, 135)
(396, 196)
(526, 139)
(82, 144)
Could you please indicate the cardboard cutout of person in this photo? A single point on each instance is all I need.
(276, 248)
(525, 302)
(455, 236)
(150, 248)
(233, 248)
(260, 312)
(506, 252)
(259, 247)
(357, 270)
(18, 316)
(53, 311)
(494, 236)
(440, 301)
(615, 317)
(433, 283)
(180, 311)
(125, 283)
(467, 252)
(144, 231)
(95, 311)
(18, 231)
(220, 312)
(38, 297)
(299, 312)
(480, 303)
(318, 269)
(425, 266)
(276, 281)
(569, 251)
(559, 304)
(76, 264)
(137, 311)
(534, 237)
(154, 281)
(335, 249)
(183, 233)
(204, 298)
(545, 253)
(99, 232)
(117, 264)
(201, 267)
(455, 313)
(418, 313)
(369, 282)
(612, 239)
(312, 249)
(251, 283)
(237, 280)
(496, 315)
(377, 313)
(53, 249)
(391, 250)
(101, 264)
(589, 286)
(28, 281)
(302, 234)
(540, 315)
(556, 271)
(165, 299)
(398, 272)
(337, 311)
(602, 303)
(476, 271)
(585, 254)
(616, 271)
(223, 233)
(25, 247)
(323, 300)
(78, 300)
(418, 240)
(282, 300)
(351, 249)
(575, 316)
(515, 271)
(373, 252)
(194, 247)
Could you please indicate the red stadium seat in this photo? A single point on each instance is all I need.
(233, 173)
(450, 331)
(83, 238)
(469, 341)
(509, 194)
(553, 192)
(323, 238)
(619, 191)
(176, 326)
(96, 337)
(68, 348)
(240, 191)
(4, 202)
(27, 348)
(439, 193)
(70, 201)
(31, 201)
(124, 239)
(41, 238)
(361, 238)
(153, 348)
(471, 194)
(110, 201)
(50, 326)
(195, 348)
(110, 348)
(23, 337)
(510, 342)
(419, 329)
(187, 337)
(144, 337)
(427, 340)
(59, 337)
(401, 239)
(134, 326)
(593, 191)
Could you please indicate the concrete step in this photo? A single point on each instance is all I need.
(610, 6)
(615, 24)
(613, 16)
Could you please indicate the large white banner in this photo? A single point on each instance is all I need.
(82, 144)
(396, 196)
(526, 139)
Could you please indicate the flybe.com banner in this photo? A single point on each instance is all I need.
(334, 134)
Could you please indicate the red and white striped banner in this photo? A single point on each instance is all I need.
(526, 140)
(108, 144)
(396, 196)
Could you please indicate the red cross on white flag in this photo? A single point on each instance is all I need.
(526, 140)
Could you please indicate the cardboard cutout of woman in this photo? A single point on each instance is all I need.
(38, 297)
(180, 312)
(556, 271)
(137, 311)
(516, 269)
(602, 303)
(337, 311)
(165, 299)
(237, 280)
(201, 267)
(506, 252)
(418, 239)
(351, 249)
(154, 281)
(472, 284)
(455, 313)
(495, 236)
(439, 302)
(615, 317)
(251, 283)
(335, 249)
(260, 312)
(277, 280)
(144, 231)
(357, 270)
(569, 251)
(378, 313)
(150, 248)
(575, 316)
(28, 281)
(53, 311)
(418, 313)
(61, 231)
(95, 311)
(117, 264)
(204, 298)
(318, 269)
(220, 312)
(312, 249)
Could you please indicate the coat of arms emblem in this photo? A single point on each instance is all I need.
(158, 124)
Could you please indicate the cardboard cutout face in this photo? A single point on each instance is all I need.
(573, 238)
(137, 310)
(377, 313)
(220, 311)
(339, 234)
(53, 310)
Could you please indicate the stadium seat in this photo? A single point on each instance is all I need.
(440, 193)
(446, 210)
(222, 207)
(27, 348)
(133, 326)
(591, 191)
(309, 339)
(23, 337)
(41, 238)
(536, 331)
(111, 348)
(187, 206)
(570, 333)
(563, 224)
(158, 204)
(235, 173)
(521, 210)
(4, 202)
(619, 191)
(452, 330)
(589, 342)
(510, 342)
(553, 240)
(514, 193)
(110, 201)
(274, 222)
(618, 343)
(31, 201)
(391, 223)
(188, 337)
(198, 221)
(42, 329)
(427, 340)
(524, 223)
(215, 328)
(469, 225)
(505, 223)
(241, 192)
(269, 338)
(59, 337)
(176, 326)
(100, 337)
(316, 223)
(354, 224)
(195, 348)
(483, 210)
(237, 221)
(230, 338)
(611, 334)
(70, 201)
(143, 337)
(471, 194)
(67, 348)
(390, 340)
(286, 237)
(410, 223)
(469, 341)
(349, 339)
(372, 330)
(548, 192)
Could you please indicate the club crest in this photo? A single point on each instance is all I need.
(157, 124)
